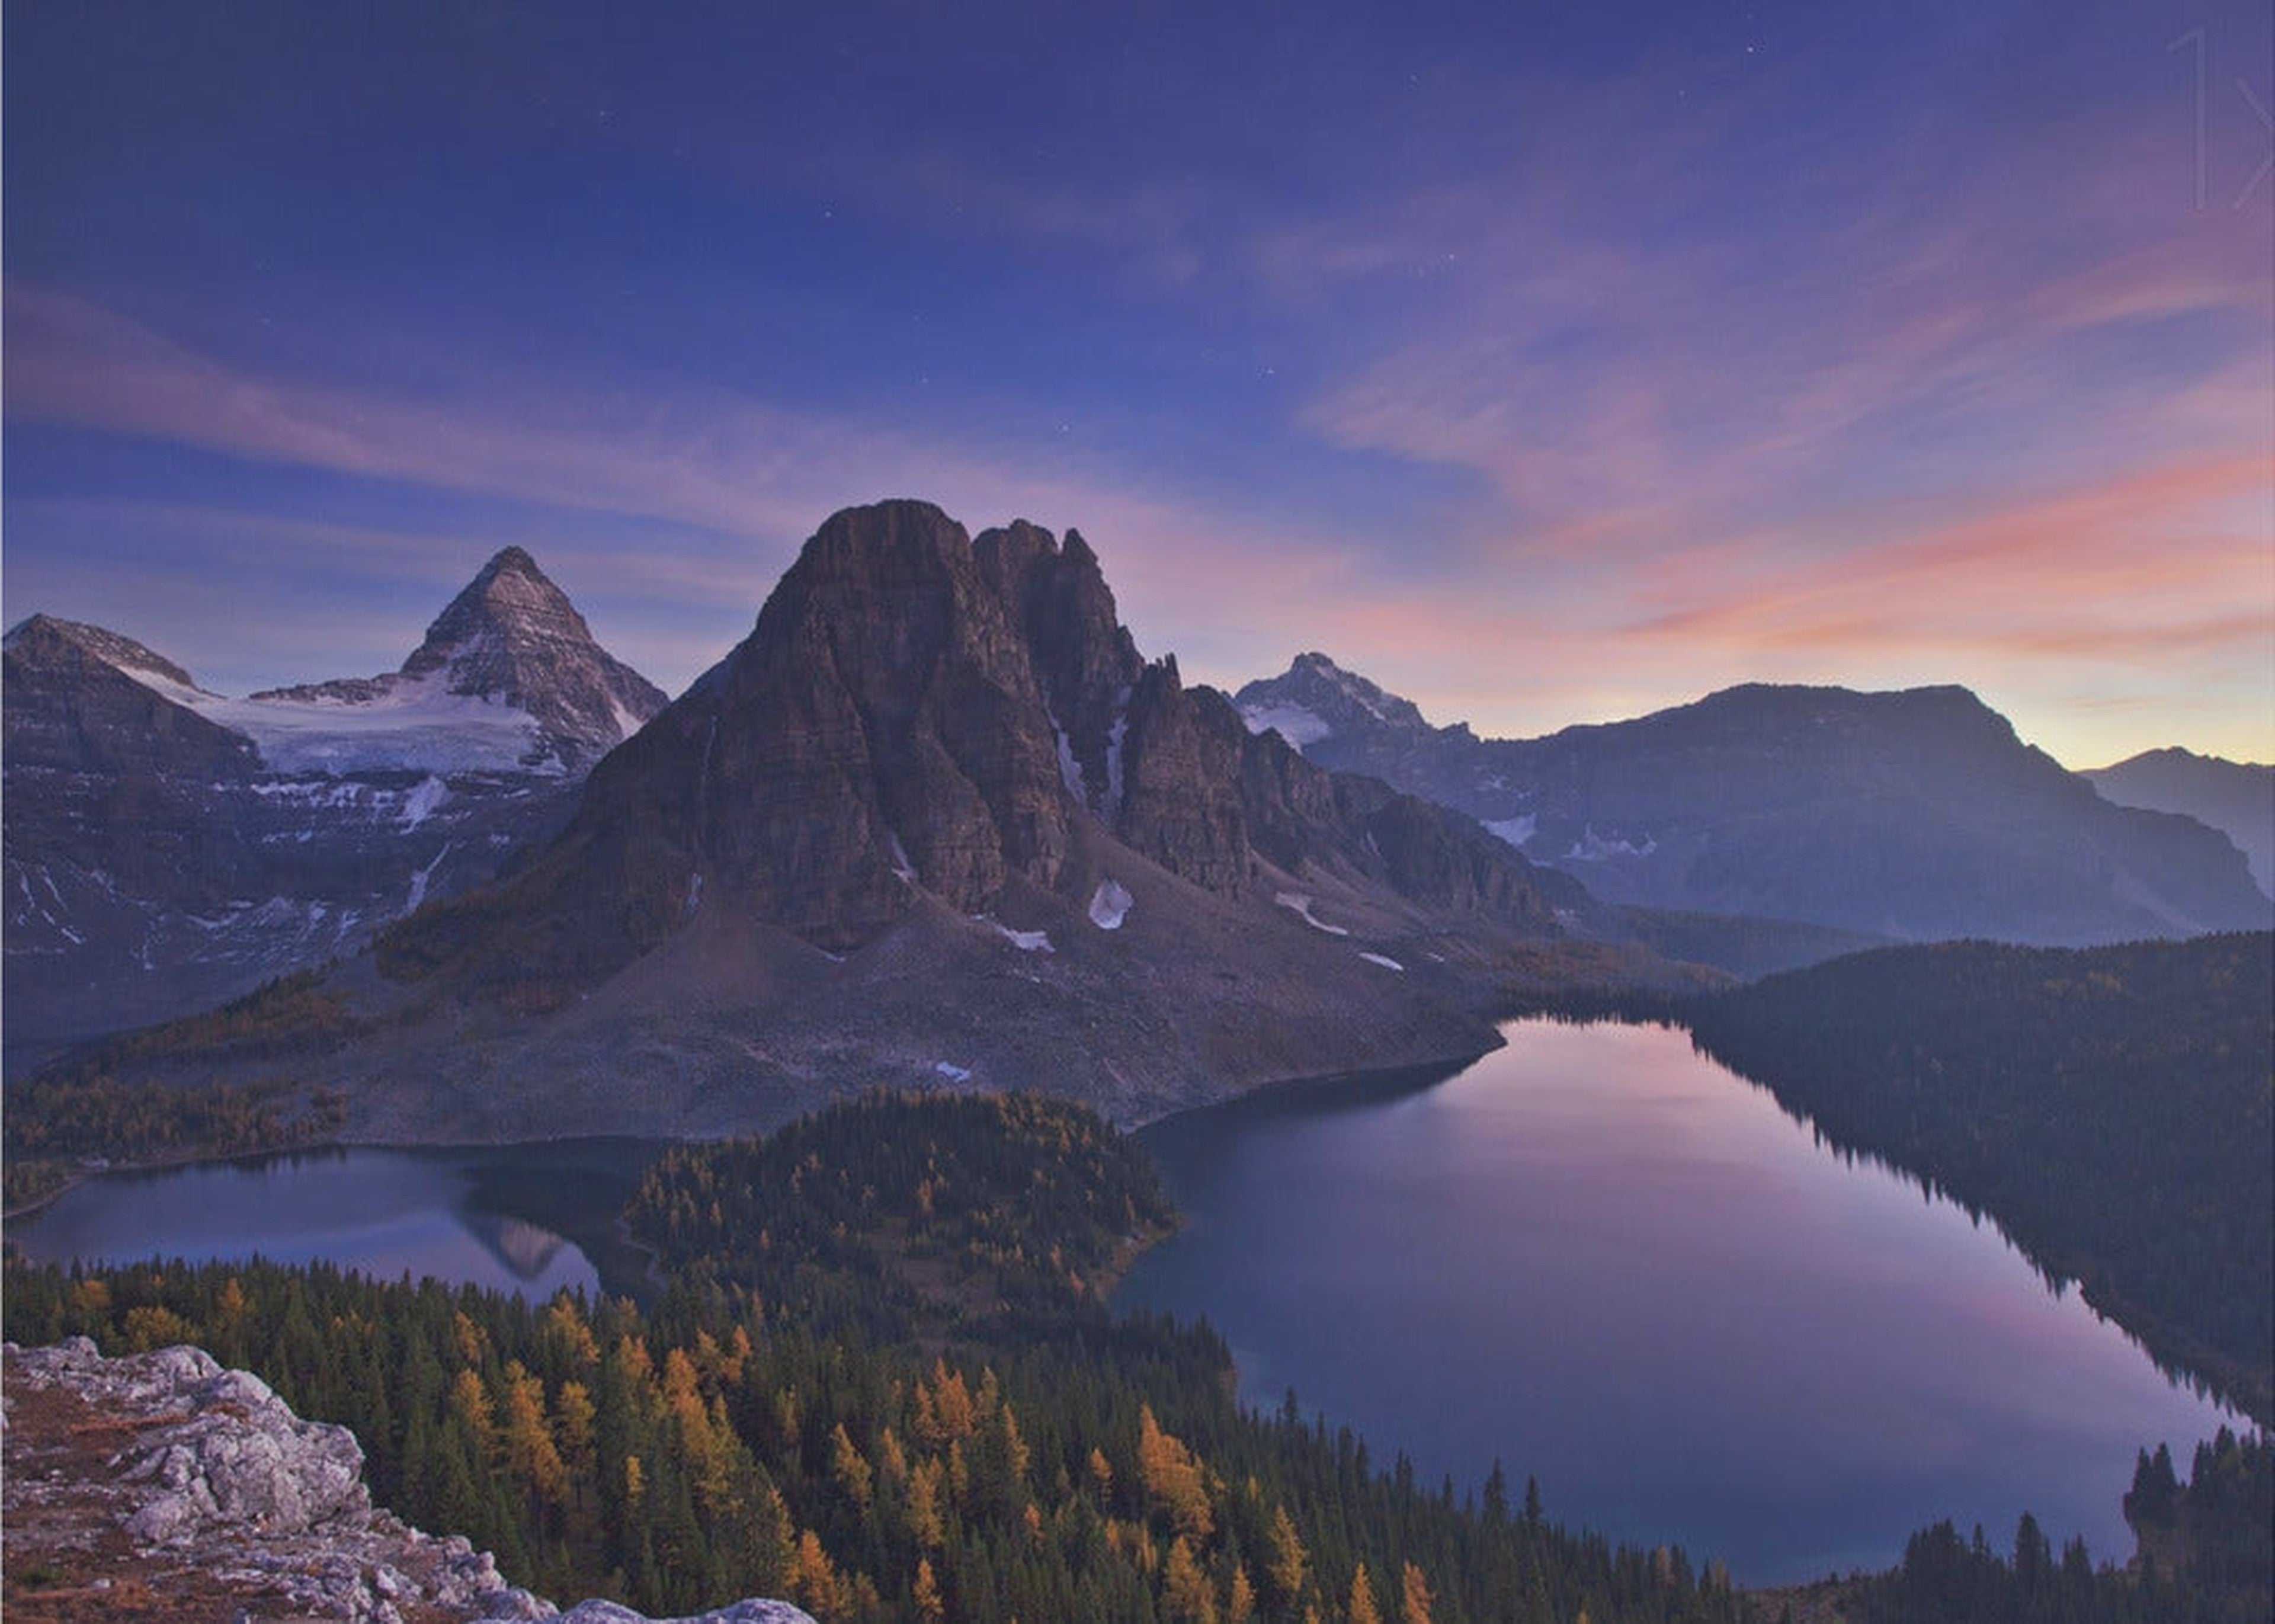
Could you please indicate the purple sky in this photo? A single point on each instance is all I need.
(1544, 368)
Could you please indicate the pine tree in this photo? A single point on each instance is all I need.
(1362, 1608)
(1187, 1597)
(1240, 1597)
(923, 1594)
(1284, 1560)
(1414, 1596)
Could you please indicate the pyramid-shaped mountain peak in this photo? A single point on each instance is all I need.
(512, 640)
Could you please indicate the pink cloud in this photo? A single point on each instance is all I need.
(2147, 561)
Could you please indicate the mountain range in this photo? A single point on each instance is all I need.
(2236, 797)
(937, 821)
(1910, 815)
(167, 847)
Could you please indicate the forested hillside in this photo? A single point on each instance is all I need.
(974, 1217)
(2109, 1106)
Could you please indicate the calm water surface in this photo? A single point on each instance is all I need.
(531, 1218)
(1607, 1261)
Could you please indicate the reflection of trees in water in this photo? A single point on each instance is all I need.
(524, 1249)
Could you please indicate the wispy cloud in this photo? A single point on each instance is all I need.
(740, 482)
(2141, 564)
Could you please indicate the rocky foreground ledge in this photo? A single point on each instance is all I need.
(162, 1486)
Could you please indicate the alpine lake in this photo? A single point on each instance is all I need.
(1594, 1255)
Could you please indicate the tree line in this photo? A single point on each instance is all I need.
(2206, 1557)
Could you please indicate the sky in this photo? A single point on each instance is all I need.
(1544, 364)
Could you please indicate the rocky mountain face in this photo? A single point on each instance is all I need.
(166, 848)
(936, 822)
(920, 715)
(159, 1486)
(2236, 797)
(1911, 815)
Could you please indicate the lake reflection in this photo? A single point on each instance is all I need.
(528, 1218)
(1604, 1259)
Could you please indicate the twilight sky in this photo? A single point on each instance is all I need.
(1545, 363)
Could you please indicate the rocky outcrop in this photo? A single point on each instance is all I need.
(163, 1477)
(740, 1613)
(72, 706)
(163, 1472)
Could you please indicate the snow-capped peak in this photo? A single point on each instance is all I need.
(509, 661)
(1316, 698)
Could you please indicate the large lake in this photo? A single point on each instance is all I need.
(533, 1219)
(1612, 1264)
(1593, 1255)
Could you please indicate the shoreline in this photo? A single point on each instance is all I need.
(1446, 1065)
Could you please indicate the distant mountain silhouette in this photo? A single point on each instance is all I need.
(1912, 815)
(2236, 797)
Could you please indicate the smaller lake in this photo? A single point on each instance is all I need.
(531, 1219)
(1610, 1263)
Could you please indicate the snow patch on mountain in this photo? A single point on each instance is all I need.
(1069, 769)
(418, 882)
(628, 721)
(1387, 964)
(1515, 831)
(1358, 690)
(423, 801)
(1299, 905)
(1026, 942)
(1299, 726)
(1115, 735)
(414, 722)
(1593, 848)
(1109, 905)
